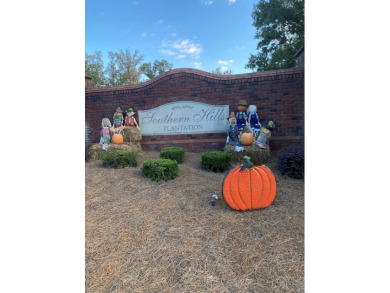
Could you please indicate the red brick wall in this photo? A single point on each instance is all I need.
(278, 95)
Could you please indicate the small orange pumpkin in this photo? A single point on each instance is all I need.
(246, 138)
(249, 189)
(117, 138)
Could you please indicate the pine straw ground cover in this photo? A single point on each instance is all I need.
(146, 236)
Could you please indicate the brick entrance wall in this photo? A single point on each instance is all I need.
(278, 95)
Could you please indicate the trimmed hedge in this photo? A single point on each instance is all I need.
(216, 161)
(160, 169)
(120, 159)
(173, 153)
(292, 162)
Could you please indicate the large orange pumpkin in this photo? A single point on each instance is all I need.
(250, 189)
(117, 138)
(246, 138)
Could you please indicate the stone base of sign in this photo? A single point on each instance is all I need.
(258, 156)
(95, 152)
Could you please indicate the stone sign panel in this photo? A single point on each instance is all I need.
(184, 117)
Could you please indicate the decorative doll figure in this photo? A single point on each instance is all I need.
(130, 119)
(241, 115)
(253, 119)
(105, 131)
(265, 134)
(232, 115)
(233, 138)
(118, 118)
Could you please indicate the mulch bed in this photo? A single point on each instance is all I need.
(147, 236)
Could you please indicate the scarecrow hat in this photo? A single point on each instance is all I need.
(118, 109)
(130, 110)
(242, 102)
(231, 115)
(233, 119)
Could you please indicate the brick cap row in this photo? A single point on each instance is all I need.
(199, 74)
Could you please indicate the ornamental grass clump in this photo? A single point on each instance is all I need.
(216, 161)
(120, 159)
(160, 169)
(173, 153)
(292, 162)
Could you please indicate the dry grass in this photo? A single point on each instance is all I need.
(258, 156)
(132, 134)
(95, 151)
(146, 236)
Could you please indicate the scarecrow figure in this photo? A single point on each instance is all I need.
(232, 131)
(265, 134)
(130, 119)
(232, 115)
(118, 118)
(241, 115)
(105, 136)
(253, 120)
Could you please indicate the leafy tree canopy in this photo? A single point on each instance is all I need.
(280, 28)
(158, 67)
(94, 68)
(219, 70)
(123, 68)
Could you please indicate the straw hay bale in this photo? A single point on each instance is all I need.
(95, 152)
(131, 134)
(258, 155)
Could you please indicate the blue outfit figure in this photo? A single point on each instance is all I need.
(241, 115)
(118, 117)
(253, 118)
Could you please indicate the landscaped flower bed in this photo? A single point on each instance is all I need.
(165, 236)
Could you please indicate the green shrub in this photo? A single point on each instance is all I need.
(120, 159)
(216, 161)
(173, 153)
(160, 169)
(292, 162)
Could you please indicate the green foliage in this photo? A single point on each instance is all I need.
(158, 67)
(160, 169)
(219, 70)
(216, 161)
(292, 162)
(122, 67)
(120, 159)
(94, 68)
(173, 153)
(280, 27)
